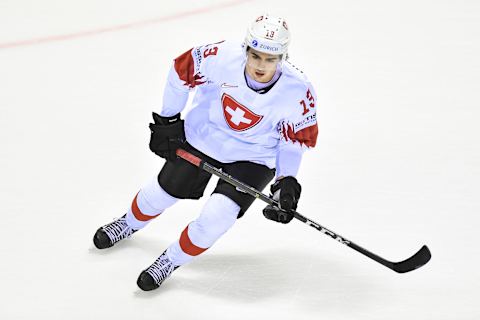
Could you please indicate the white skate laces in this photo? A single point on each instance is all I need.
(161, 269)
(118, 230)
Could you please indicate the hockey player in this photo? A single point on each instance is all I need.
(253, 115)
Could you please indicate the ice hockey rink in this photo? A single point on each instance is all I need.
(397, 164)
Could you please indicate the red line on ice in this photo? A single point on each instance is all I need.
(136, 24)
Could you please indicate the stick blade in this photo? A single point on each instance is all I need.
(414, 262)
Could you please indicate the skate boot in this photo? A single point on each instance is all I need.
(109, 234)
(152, 277)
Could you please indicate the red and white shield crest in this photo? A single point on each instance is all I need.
(238, 117)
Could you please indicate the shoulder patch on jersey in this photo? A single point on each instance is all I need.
(310, 120)
(301, 127)
(306, 136)
(201, 53)
(189, 64)
(186, 69)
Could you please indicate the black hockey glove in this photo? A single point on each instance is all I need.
(287, 192)
(167, 135)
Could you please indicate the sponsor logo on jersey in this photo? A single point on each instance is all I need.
(197, 54)
(226, 85)
(308, 121)
(269, 48)
(237, 116)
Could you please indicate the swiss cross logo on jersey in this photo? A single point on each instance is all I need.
(238, 117)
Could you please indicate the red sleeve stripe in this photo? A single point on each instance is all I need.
(138, 214)
(187, 246)
(306, 136)
(184, 66)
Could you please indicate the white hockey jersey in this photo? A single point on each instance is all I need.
(231, 122)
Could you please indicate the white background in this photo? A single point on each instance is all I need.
(397, 163)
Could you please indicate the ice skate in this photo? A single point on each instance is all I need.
(109, 234)
(152, 277)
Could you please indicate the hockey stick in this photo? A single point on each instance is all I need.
(414, 262)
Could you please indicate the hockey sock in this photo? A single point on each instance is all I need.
(149, 203)
(217, 216)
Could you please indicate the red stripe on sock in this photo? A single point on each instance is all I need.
(187, 246)
(138, 214)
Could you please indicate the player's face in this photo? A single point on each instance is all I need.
(261, 66)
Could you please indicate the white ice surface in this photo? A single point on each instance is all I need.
(397, 163)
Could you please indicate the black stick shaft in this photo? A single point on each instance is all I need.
(414, 262)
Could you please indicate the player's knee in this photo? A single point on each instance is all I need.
(155, 197)
(218, 215)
